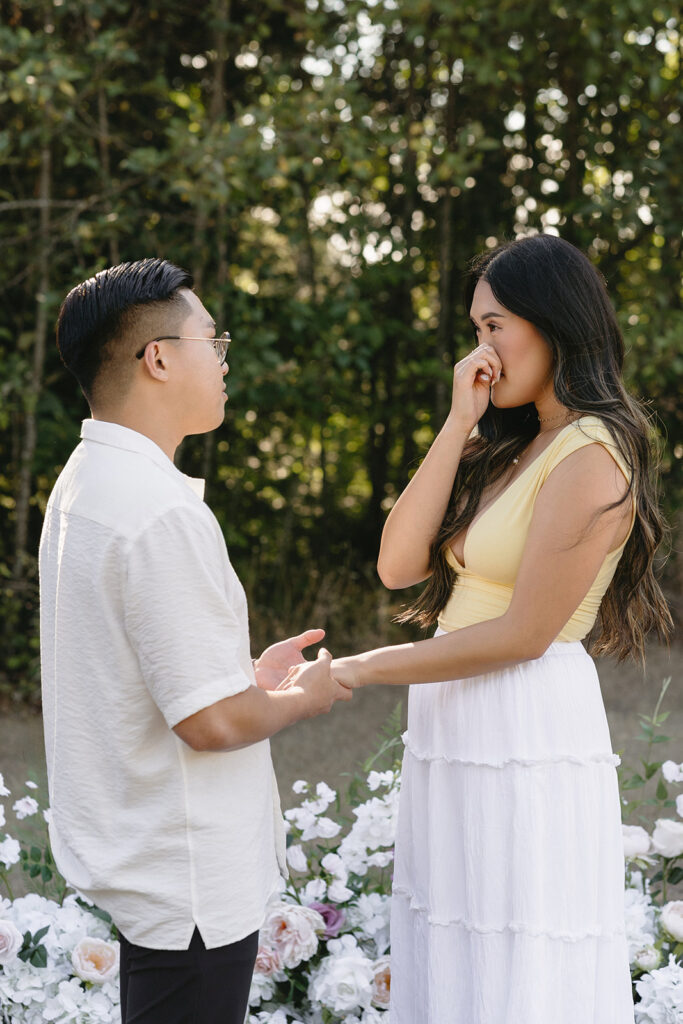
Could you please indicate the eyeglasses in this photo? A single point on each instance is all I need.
(220, 345)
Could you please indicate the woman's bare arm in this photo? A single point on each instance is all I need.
(565, 549)
(416, 517)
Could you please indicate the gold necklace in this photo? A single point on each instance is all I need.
(545, 419)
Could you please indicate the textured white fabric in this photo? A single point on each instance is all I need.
(508, 900)
(143, 623)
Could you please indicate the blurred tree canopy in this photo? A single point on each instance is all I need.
(325, 168)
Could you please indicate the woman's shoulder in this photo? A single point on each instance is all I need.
(583, 431)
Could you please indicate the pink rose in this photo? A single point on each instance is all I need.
(292, 931)
(11, 941)
(268, 961)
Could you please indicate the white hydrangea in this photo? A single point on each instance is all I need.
(314, 891)
(324, 797)
(639, 916)
(374, 827)
(26, 807)
(10, 851)
(377, 779)
(661, 995)
(296, 858)
(672, 772)
(262, 988)
(369, 917)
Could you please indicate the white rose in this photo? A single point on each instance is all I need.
(10, 852)
(636, 841)
(96, 960)
(667, 838)
(292, 930)
(672, 919)
(344, 981)
(11, 941)
(672, 772)
(647, 958)
(296, 858)
(300, 786)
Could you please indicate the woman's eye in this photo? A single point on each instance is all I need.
(494, 327)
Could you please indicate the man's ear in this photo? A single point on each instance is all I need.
(155, 361)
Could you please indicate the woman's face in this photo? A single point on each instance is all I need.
(527, 364)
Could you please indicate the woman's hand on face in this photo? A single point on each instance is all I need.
(472, 380)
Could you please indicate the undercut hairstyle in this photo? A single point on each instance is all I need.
(553, 285)
(102, 320)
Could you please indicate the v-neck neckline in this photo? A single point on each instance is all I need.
(480, 515)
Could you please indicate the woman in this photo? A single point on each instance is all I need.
(534, 519)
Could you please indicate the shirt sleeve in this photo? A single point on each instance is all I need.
(178, 615)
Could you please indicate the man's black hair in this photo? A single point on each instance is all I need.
(99, 310)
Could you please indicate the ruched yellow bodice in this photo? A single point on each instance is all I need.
(495, 542)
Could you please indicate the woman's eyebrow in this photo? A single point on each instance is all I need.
(487, 316)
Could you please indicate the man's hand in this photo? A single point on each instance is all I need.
(272, 667)
(313, 679)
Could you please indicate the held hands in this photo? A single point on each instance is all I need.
(272, 667)
(472, 380)
(314, 679)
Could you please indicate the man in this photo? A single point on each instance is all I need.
(164, 806)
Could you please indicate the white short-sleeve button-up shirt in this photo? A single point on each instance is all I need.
(143, 623)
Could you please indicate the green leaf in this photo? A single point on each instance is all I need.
(40, 934)
(46, 873)
(39, 957)
(676, 876)
(662, 792)
(36, 853)
(34, 870)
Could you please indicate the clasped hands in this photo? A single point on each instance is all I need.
(282, 666)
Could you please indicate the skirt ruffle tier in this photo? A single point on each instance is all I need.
(508, 903)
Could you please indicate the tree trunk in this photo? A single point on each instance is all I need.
(444, 334)
(105, 169)
(34, 388)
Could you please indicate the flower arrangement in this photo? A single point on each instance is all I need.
(324, 952)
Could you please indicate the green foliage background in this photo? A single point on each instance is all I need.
(325, 168)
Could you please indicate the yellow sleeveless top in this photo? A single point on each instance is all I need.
(495, 542)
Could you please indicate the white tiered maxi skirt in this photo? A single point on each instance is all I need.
(508, 904)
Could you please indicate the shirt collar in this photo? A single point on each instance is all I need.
(117, 436)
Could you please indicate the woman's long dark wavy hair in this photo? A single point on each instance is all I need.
(555, 287)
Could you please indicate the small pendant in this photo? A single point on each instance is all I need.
(515, 460)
